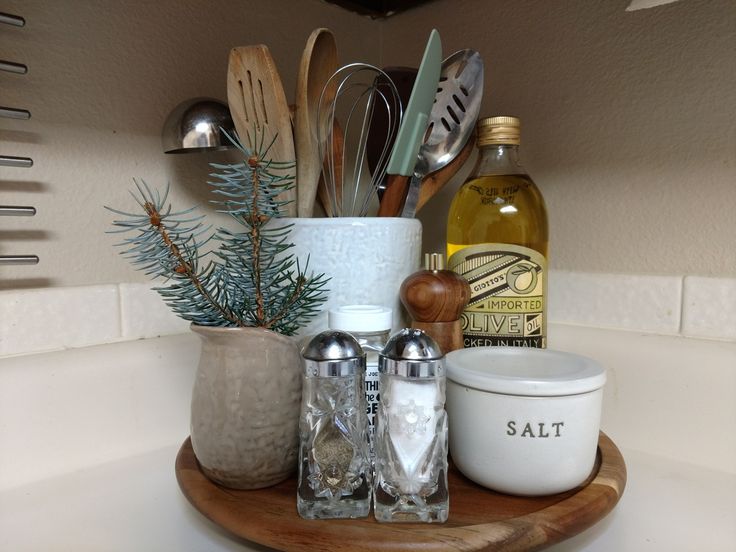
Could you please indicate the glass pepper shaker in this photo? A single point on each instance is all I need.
(411, 431)
(334, 460)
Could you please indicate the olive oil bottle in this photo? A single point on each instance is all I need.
(497, 238)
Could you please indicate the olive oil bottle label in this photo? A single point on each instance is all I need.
(507, 295)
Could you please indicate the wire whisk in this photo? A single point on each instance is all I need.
(352, 93)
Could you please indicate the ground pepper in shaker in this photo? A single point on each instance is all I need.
(411, 431)
(334, 459)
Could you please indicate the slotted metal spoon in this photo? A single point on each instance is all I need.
(451, 121)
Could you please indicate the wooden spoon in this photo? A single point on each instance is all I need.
(392, 202)
(325, 195)
(259, 109)
(319, 62)
(434, 182)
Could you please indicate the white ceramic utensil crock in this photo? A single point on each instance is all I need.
(524, 421)
(366, 259)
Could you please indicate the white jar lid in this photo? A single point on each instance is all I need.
(525, 371)
(360, 318)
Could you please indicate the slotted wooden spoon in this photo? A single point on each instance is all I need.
(259, 109)
(319, 62)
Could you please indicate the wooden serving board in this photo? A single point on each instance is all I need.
(479, 519)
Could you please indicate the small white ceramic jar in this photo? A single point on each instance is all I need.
(523, 421)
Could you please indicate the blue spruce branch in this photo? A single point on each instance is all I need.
(251, 278)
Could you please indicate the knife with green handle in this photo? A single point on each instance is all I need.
(413, 126)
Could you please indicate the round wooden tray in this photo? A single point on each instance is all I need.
(479, 519)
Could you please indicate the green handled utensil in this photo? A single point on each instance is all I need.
(413, 126)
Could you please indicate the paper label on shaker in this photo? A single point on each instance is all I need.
(372, 397)
(508, 289)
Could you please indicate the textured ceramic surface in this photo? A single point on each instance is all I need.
(366, 258)
(245, 406)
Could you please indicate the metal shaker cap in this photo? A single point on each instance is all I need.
(333, 354)
(411, 353)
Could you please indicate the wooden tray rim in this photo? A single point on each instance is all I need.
(576, 511)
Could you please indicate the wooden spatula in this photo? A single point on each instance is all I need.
(259, 109)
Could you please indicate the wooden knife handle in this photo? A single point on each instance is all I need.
(393, 198)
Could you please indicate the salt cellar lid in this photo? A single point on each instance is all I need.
(333, 353)
(411, 353)
(525, 371)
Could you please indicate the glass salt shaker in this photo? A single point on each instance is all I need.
(370, 325)
(334, 460)
(411, 431)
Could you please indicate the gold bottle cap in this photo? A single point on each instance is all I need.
(499, 130)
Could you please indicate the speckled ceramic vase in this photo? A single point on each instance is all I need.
(245, 406)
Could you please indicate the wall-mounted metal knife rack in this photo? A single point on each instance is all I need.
(10, 160)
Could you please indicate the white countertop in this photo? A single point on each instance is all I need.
(88, 440)
(135, 505)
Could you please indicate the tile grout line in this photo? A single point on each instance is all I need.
(682, 306)
(120, 310)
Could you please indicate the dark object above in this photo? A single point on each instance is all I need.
(378, 8)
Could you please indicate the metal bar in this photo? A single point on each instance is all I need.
(17, 211)
(15, 20)
(13, 113)
(12, 67)
(18, 259)
(11, 161)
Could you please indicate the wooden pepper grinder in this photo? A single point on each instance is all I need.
(435, 299)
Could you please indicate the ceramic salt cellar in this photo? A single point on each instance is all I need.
(411, 431)
(334, 459)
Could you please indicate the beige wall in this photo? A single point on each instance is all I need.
(628, 118)
(629, 122)
(102, 77)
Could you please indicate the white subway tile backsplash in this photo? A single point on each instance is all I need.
(58, 318)
(623, 301)
(144, 313)
(709, 307)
